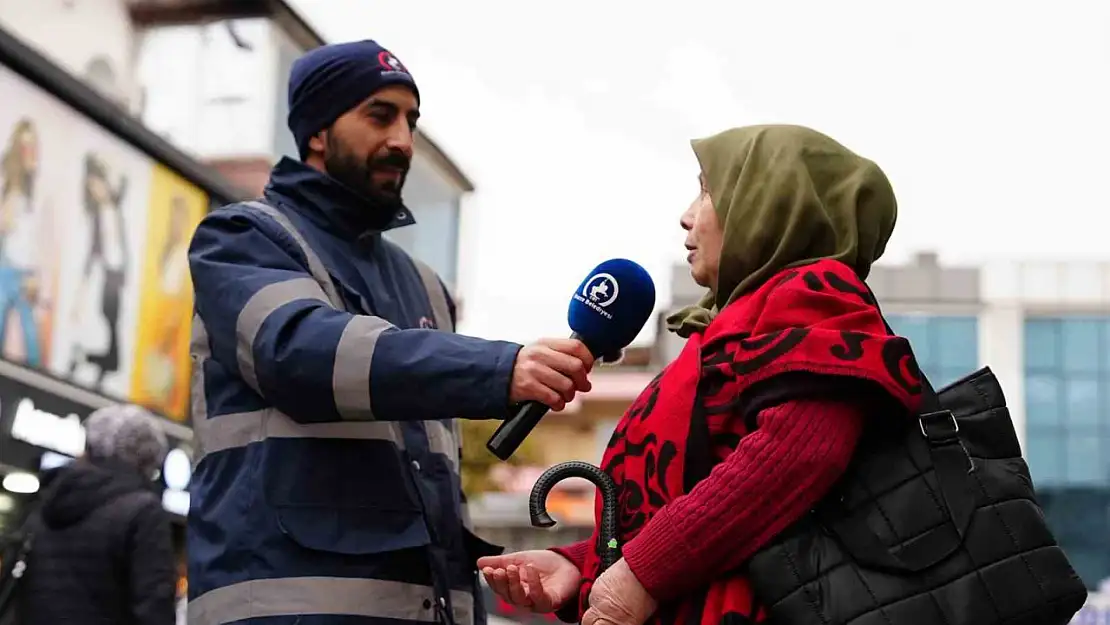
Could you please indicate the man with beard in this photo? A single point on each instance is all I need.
(328, 377)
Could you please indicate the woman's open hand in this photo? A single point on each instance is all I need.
(541, 581)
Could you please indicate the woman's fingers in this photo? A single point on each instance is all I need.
(498, 580)
(537, 594)
(492, 562)
(507, 584)
(520, 586)
(517, 592)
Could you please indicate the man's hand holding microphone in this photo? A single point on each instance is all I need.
(551, 371)
(606, 312)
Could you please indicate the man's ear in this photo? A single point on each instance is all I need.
(318, 142)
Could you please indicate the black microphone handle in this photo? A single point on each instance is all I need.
(512, 432)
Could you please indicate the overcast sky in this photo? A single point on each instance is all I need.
(574, 121)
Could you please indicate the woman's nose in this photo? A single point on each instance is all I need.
(686, 220)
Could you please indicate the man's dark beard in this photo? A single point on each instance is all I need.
(347, 168)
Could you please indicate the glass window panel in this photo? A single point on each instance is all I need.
(1043, 400)
(1090, 562)
(933, 373)
(1083, 458)
(949, 375)
(1104, 347)
(1081, 402)
(1106, 472)
(1080, 520)
(916, 328)
(1080, 338)
(1044, 454)
(1042, 344)
(956, 340)
(1086, 510)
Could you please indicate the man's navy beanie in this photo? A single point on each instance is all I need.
(330, 80)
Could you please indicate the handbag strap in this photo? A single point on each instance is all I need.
(953, 467)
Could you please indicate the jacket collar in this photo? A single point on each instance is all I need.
(330, 204)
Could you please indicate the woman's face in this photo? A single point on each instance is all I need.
(29, 150)
(703, 237)
(99, 190)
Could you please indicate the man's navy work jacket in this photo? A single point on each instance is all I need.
(327, 378)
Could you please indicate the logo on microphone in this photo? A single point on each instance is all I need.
(598, 293)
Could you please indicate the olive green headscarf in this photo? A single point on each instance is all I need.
(787, 196)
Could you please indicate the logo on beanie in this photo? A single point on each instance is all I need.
(390, 63)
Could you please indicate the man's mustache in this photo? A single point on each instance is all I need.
(393, 160)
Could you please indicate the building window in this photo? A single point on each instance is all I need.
(946, 346)
(1067, 407)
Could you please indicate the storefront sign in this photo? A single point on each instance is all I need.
(45, 429)
(40, 430)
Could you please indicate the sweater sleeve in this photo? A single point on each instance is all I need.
(575, 552)
(776, 474)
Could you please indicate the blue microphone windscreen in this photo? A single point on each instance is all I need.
(612, 305)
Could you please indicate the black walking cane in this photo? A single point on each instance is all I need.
(537, 504)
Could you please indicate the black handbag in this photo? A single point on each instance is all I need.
(935, 523)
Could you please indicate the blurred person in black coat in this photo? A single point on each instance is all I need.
(103, 551)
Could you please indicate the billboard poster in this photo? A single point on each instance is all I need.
(31, 210)
(102, 248)
(160, 374)
(93, 276)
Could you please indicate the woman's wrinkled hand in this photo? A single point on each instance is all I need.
(618, 598)
(541, 581)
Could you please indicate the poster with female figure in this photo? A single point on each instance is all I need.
(103, 273)
(32, 135)
(160, 376)
(19, 279)
(104, 233)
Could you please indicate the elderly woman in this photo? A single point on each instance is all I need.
(103, 549)
(759, 415)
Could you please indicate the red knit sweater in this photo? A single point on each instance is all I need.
(777, 474)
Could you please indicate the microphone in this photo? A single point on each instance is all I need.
(606, 313)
